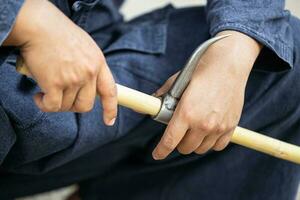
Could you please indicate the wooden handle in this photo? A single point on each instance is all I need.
(151, 105)
(266, 144)
(148, 104)
(138, 101)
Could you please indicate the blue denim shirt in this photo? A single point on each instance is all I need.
(266, 21)
(32, 135)
(8, 13)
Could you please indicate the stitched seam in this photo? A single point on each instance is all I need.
(284, 50)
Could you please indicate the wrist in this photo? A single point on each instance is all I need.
(27, 23)
(243, 51)
(242, 46)
(232, 57)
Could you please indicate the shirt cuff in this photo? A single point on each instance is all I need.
(9, 10)
(280, 52)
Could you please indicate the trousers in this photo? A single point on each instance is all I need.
(52, 150)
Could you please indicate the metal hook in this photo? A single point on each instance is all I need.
(171, 98)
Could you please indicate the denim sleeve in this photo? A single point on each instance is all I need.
(266, 21)
(8, 12)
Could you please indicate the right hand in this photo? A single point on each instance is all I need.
(67, 64)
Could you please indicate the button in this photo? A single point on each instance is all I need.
(76, 6)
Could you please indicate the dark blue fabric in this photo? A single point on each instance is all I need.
(266, 21)
(8, 13)
(115, 162)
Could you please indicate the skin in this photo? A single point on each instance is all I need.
(211, 106)
(67, 64)
(70, 69)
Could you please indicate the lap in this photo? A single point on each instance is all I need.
(270, 107)
(271, 96)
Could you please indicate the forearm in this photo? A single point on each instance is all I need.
(26, 26)
(264, 21)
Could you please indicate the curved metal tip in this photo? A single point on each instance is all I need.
(215, 39)
(203, 47)
(185, 75)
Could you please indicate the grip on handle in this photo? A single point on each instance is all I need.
(148, 104)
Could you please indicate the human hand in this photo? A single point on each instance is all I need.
(211, 106)
(67, 64)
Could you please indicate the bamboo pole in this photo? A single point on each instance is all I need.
(138, 101)
(148, 104)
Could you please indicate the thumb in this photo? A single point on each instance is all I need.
(166, 86)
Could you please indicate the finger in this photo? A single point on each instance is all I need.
(108, 92)
(22, 68)
(69, 98)
(191, 141)
(166, 86)
(208, 142)
(50, 101)
(171, 138)
(85, 98)
(223, 141)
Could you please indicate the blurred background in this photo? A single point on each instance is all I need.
(131, 9)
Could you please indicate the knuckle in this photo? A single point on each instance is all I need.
(187, 114)
(168, 143)
(83, 105)
(81, 108)
(110, 93)
(65, 108)
(51, 108)
(184, 151)
(87, 108)
(208, 126)
(58, 83)
(205, 147)
(70, 80)
(201, 151)
(75, 81)
(221, 145)
(91, 71)
(222, 128)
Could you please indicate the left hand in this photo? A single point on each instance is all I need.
(65, 61)
(211, 106)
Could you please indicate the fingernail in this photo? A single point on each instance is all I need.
(154, 94)
(155, 155)
(112, 122)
